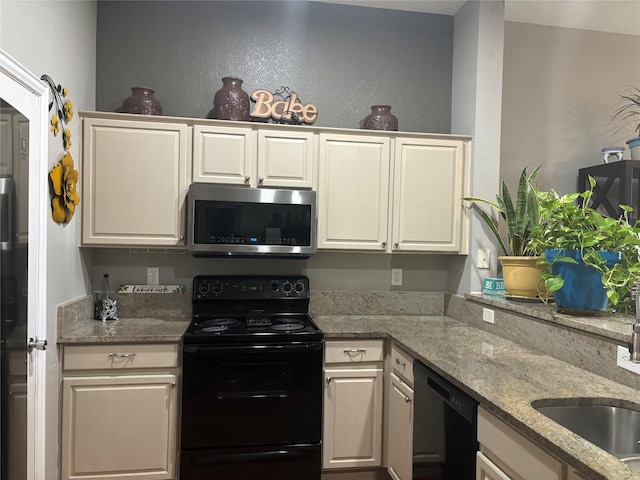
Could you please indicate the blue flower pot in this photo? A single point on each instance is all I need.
(582, 289)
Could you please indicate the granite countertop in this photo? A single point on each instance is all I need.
(504, 377)
(123, 330)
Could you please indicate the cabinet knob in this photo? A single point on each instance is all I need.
(246, 179)
(260, 179)
(407, 399)
(396, 245)
(384, 244)
(328, 380)
(400, 362)
(181, 237)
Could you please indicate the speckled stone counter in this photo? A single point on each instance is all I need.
(504, 377)
(76, 325)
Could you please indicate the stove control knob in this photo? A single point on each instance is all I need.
(287, 287)
(274, 286)
(217, 288)
(299, 287)
(203, 288)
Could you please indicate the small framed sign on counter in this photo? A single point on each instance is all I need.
(151, 289)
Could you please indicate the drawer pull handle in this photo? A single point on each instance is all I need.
(407, 399)
(355, 350)
(122, 355)
(399, 362)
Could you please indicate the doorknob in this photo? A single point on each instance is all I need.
(37, 344)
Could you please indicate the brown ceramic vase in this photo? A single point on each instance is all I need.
(231, 102)
(380, 118)
(142, 101)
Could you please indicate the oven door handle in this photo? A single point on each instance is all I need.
(258, 348)
(249, 457)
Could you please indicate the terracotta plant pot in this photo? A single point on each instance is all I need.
(522, 276)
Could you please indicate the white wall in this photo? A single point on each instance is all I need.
(57, 38)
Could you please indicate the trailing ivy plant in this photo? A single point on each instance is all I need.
(568, 223)
(519, 217)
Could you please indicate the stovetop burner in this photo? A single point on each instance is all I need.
(246, 309)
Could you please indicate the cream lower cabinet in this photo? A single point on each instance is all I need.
(262, 157)
(400, 430)
(119, 412)
(136, 174)
(505, 454)
(353, 397)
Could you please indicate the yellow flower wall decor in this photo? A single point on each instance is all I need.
(63, 180)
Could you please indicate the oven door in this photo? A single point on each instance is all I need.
(250, 395)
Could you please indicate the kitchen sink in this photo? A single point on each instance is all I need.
(615, 429)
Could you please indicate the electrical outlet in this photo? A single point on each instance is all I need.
(487, 315)
(624, 362)
(153, 276)
(396, 276)
(484, 256)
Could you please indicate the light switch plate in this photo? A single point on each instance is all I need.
(487, 315)
(624, 362)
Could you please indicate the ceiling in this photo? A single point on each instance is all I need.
(617, 16)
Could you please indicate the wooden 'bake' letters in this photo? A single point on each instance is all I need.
(282, 109)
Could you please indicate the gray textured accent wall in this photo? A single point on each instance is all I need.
(341, 58)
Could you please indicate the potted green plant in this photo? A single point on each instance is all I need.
(519, 259)
(593, 259)
(629, 112)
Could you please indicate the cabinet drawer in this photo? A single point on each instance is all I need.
(402, 364)
(512, 452)
(120, 356)
(354, 351)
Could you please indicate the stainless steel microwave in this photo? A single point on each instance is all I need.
(250, 222)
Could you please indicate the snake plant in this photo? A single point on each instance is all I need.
(519, 217)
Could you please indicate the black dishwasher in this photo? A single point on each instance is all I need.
(445, 428)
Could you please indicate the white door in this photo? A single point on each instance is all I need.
(24, 270)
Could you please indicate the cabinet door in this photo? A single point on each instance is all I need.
(353, 192)
(486, 470)
(285, 159)
(136, 176)
(224, 155)
(352, 435)
(429, 183)
(400, 441)
(120, 427)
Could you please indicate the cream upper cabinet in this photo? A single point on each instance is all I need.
(353, 191)
(429, 181)
(257, 157)
(136, 174)
(392, 194)
(119, 412)
(223, 154)
(353, 397)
